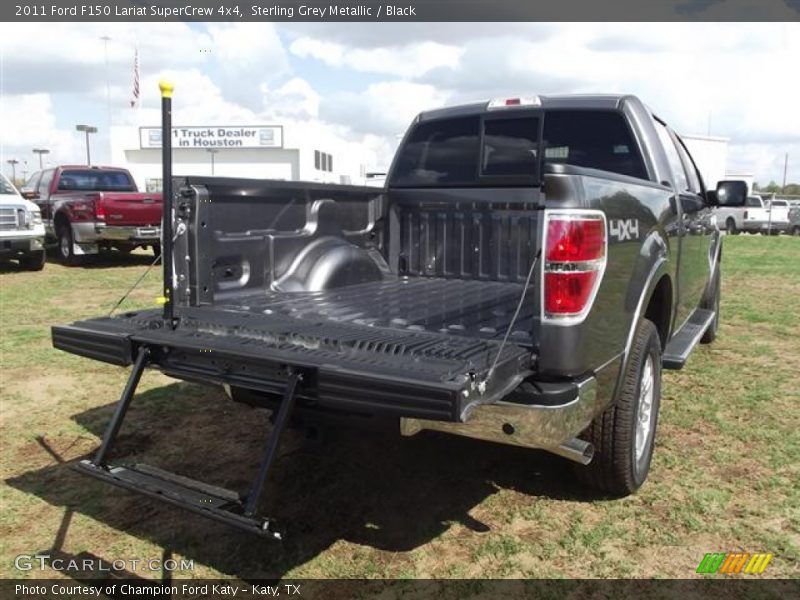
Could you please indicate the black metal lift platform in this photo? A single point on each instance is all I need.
(214, 502)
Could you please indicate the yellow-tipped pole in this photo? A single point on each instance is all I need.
(166, 88)
(166, 178)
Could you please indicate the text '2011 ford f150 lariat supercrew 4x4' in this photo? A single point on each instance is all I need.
(529, 268)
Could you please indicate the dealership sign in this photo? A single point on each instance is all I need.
(216, 136)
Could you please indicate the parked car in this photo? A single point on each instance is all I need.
(794, 221)
(21, 228)
(751, 218)
(86, 209)
(756, 216)
(778, 221)
(530, 267)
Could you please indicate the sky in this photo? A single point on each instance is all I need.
(364, 82)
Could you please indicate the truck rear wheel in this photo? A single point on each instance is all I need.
(66, 246)
(623, 436)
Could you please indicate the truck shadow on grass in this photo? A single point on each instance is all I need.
(374, 489)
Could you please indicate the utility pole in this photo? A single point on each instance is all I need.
(107, 39)
(40, 151)
(13, 162)
(212, 152)
(87, 129)
(785, 167)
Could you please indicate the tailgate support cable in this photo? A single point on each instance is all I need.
(490, 372)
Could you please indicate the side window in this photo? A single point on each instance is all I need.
(44, 183)
(691, 170)
(596, 139)
(32, 184)
(672, 156)
(753, 202)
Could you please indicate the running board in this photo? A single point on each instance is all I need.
(682, 343)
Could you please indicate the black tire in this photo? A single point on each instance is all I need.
(730, 226)
(712, 303)
(617, 468)
(66, 246)
(156, 249)
(33, 261)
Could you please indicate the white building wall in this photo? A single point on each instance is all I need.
(711, 156)
(295, 161)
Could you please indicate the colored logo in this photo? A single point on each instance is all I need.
(731, 563)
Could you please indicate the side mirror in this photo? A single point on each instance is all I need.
(731, 193)
(30, 195)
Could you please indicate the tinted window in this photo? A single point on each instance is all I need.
(780, 203)
(95, 181)
(32, 183)
(510, 147)
(6, 187)
(692, 176)
(593, 139)
(440, 152)
(44, 182)
(673, 157)
(754, 202)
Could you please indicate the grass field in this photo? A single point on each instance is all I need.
(725, 473)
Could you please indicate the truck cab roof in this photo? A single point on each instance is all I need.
(588, 101)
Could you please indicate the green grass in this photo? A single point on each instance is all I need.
(725, 472)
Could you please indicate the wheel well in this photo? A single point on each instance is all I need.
(659, 309)
(60, 220)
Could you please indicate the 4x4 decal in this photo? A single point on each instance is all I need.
(624, 229)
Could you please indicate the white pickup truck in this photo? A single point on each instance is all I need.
(21, 228)
(756, 216)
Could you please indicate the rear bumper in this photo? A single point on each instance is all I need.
(91, 233)
(760, 226)
(527, 425)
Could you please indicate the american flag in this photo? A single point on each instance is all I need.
(135, 93)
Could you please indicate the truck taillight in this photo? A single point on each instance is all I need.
(575, 259)
(99, 208)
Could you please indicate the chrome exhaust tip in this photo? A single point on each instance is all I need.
(576, 450)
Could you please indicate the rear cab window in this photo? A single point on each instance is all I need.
(509, 148)
(91, 180)
(754, 202)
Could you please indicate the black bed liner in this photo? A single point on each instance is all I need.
(472, 308)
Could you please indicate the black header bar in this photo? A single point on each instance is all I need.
(399, 11)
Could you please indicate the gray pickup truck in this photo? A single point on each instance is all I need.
(530, 267)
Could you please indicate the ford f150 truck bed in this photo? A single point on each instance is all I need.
(529, 268)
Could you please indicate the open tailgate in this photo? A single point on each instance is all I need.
(351, 367)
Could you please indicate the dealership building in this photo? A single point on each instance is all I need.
(710, 153)
(289, 152)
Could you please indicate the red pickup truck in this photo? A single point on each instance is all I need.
(86, 209)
